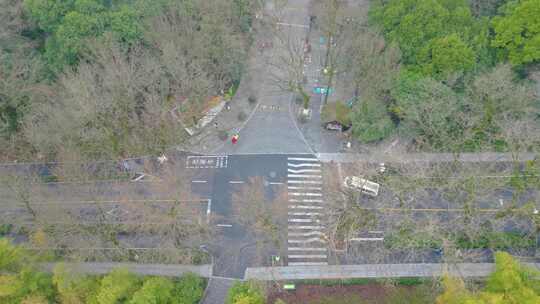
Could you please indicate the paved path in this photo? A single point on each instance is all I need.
(217, 290)
(371, 271)
(426, 157)
(271, 128)
(170, 270)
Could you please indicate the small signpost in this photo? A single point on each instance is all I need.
(289, 287)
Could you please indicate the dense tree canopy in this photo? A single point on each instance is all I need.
(22, 282)
(517, 31)
(510, 283)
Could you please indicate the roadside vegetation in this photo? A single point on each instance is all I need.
(22, 281)
(450, 76)
(510, 282)
(109, 79)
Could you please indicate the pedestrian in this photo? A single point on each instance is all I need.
(235, 139)
(216, 124)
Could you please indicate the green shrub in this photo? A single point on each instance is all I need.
(245, 292)
(5, 229)
(188, 290)
(117, 286)
(154, 291)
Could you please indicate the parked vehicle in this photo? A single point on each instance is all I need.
(363, 185)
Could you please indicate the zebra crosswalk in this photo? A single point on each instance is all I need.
(306, 241)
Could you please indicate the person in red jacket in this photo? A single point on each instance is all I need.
(235, 139)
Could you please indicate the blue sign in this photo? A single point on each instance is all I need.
(322, 90)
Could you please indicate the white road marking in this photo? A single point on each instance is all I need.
(303, 165)
(307, 263)
(304, 171)
(306, 227)
(303, 159)
(307, 256)
(236, 182)
(305, 194)
(306, 249)
(312, 233)
(292, 200)
(199, 181)
(304, 213)
(303, 176)
(303, 182)
(224, 225)
(304, 207)
(366, 239)
(306, 188)
(375, 231)
(310, 240)
(276, 183)
(297, 220)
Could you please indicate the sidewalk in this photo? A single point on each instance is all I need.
(425, 157)
(371, 271)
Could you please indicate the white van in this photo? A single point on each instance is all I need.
(362, 185)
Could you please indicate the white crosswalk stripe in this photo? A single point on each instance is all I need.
(304, 188)
(293, 200)
(303, 165)
(305, 194)
(306, 249)
(308, 220)
(303, 182)
(304, 176)
(307, 256)
(306, 211)
(304, 159)
(304, 171)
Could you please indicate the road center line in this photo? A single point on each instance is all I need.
(199, 181)
(236, 182)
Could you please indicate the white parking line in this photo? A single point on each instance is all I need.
(304, 213)
(276, 183)
(303, 159)
(199, 181)
(305, 194)
(307, 256)
(304, 170)
(303, 182)
(303, 165)
(303, 176)
(304, 207)
(366, 239)
(306, 249)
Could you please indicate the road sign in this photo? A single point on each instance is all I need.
(322, 90)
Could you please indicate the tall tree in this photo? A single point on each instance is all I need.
(517, 31)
